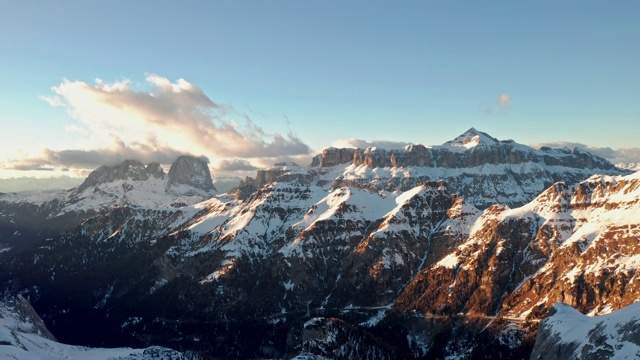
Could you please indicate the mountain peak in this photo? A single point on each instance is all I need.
(472, 138)
(190, 170)
(128, 169)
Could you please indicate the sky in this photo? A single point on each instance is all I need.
(250, 83)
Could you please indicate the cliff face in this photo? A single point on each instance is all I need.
(479, 168)
(469, 150)
(333, 156)
(190, 171)
(128, 169)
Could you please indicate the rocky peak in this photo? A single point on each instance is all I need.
(472, 138)
(192, 171)
(154, 169)
(128, 169)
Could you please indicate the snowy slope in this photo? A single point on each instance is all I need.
(568, 334)
(23, 336)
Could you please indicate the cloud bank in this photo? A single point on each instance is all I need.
(154, 121)
(235, 165)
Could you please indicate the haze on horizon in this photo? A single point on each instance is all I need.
(251, 84)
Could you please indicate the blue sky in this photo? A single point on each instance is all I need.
(323, 72)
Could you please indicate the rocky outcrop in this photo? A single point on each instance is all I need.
(244, 189)
(333, 156)
(285, 172)
(191, 171)
(23, 313)
(128, 169)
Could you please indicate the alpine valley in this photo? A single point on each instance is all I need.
(456, 251)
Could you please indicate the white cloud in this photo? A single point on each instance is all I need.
(503, 103)
(179, 113)
(116, 121)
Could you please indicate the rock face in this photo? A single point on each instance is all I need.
(128, 169)
(476, 166)
(191, 171)
(567, 334)
(567, 245)
(471, 149)
(17, 311)
(286, 172)
(333, 156)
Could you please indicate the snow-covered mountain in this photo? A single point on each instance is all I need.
(568, 334)
(372, 243)
(128, 183)
(24, 336)
(629, 166)
(476, 166)
(29, 217)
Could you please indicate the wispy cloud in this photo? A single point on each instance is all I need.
(503, 104)
(235, 165)
(118, 121)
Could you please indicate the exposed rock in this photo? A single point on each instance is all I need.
(192, 171)
(333, 156)
(471, 149)
(287, 172)
(128, 169)
(26, 218)
(476, 166)
(244, 189)
(24, 313)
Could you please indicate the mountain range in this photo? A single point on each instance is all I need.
(458, 250)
